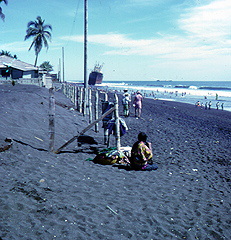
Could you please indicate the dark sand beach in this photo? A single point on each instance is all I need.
(62, 196)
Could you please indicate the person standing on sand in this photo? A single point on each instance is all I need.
(127, 93)
(137, 103)
(217, 105)
(222, 106)
(126, 102)
(141, 154)
(210, 104)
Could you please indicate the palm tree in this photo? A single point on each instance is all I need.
(46, 66)
(2, 16)
(40, 33)
(7, 53)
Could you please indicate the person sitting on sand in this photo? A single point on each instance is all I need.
(138, 104)
(141, 154)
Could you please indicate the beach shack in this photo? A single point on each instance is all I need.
(21, 72)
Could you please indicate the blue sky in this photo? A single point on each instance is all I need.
(146, 40)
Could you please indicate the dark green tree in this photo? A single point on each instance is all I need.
(40, 34)
(7, 53)
(2, 16)
(46, 66)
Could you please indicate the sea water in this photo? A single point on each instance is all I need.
(180, 91)
(187, 91)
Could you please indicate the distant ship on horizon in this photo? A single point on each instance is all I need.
(96, 75)
(164, 80)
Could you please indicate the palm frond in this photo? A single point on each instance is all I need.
(40, 33)
(2, 16)
(5, 1)
(31, 45)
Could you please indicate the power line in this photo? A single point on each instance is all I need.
(74, 22)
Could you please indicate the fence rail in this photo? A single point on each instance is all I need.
(76, 95)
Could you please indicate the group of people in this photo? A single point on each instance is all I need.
(209, 104)
(141, 153)
(137, 103)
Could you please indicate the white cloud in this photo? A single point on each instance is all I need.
(15, 46)
(23, 46)
(206, 32)
(208, 22)
(164, 47)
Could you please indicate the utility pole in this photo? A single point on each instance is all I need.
(59, 72)
(63, 62)
(85, 56)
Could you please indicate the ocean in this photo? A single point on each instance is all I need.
(180, 91)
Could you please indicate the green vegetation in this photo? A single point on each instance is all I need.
(7, 53)
(40, 34)
(46, 66)
(2, 16)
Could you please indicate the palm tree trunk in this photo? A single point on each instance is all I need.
(36, 59)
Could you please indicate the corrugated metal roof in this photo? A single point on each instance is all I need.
(6, 61)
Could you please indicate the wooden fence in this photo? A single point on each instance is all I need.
(76, 95)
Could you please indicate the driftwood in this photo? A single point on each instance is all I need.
(85, 129)
(6, 147)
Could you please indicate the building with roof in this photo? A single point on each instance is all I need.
(16, 69)
(23, 73)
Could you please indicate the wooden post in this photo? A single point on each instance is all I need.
(78, 99)
(105, 97)
(85, 57)
(97, 110)
(117, 123)
(63, 64)
(75, 97)
(85, 129)
(65, 89)
(72, 93)
(90, 105)
(81, 100)
(51, 119)
(106, 135)
(69, 91)
(84, 102)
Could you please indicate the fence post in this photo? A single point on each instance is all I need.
(117, 123)
(51, 119)
(75, 97)
(78, 99)
(97, 110)
(105, 97)
(72, 93)
(81, 100)
(90, 105)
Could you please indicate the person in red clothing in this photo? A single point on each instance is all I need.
(137, 103)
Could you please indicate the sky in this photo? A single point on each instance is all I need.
(136, 40)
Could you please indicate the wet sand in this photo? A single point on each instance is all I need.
(63, 196)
